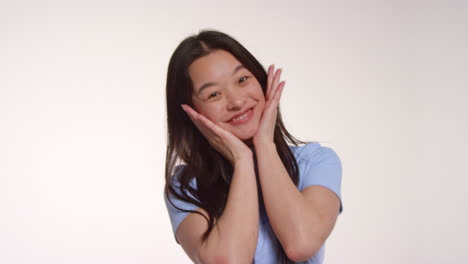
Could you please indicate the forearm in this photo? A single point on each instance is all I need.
(234, 237)
(288, 211)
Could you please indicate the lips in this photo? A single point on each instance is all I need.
(242, 118)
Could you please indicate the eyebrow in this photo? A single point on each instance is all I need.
(208, 84)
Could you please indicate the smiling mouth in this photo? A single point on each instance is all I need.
(244, 117)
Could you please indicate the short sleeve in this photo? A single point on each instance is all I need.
(177, 216)
(320, 165)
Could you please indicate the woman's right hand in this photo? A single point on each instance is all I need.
(226, 143)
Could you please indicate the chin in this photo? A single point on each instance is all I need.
(247, 134)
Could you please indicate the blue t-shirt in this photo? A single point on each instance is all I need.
(318, 165)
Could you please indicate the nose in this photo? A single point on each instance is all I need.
(235, 100)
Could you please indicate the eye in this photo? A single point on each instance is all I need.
(213, 95)
(244, 78)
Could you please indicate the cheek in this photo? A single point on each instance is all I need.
(210, 111)
(257, 90)
(261, 97)
(261, 106)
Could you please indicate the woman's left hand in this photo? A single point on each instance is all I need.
(266, 127)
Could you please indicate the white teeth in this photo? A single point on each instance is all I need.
(241, 117)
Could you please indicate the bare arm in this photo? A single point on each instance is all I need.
(302, 221)
(234, 237)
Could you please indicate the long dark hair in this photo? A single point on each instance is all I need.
(187, 145)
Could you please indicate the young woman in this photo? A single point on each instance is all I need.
(236, 192)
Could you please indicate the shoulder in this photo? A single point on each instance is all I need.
(177, 173)
(318, 165)
(314, 153)
(178, 198)
(179, 186)
(176, 177)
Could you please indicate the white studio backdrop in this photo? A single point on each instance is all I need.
(82, 121)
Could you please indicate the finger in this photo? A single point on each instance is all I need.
(276, 96)
(279, 92)
(269, 80)
(206, 126)
(208, 133)
(195, 117)
(197, 123)
(274, 85)
(217, 130)
(190, 111)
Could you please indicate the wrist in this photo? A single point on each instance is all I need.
(263, 143)
(244, 160)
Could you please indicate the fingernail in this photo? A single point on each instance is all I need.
(183, 107)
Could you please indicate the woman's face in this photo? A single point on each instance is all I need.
(227, 93)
